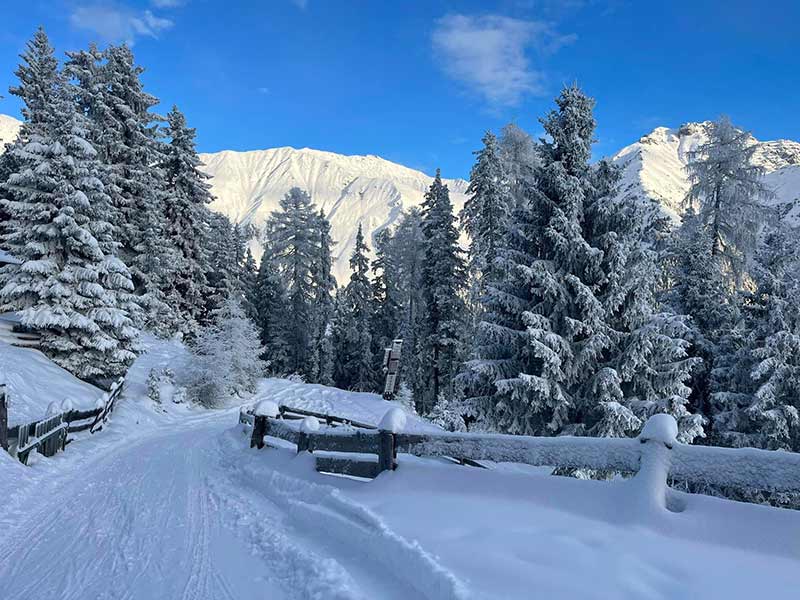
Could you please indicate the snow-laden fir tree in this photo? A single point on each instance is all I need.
(443, 274)
(759, 403)
(386, 296)
(66, 288)
(485, 213)
(219, 267)
(353, 367)
(227, 353)
(647, 368)
(517, 152)
(270, 304)
(291, 236)
(448, 413)
(324, 285)
(248, 284)
(500, 351)
(185, 205)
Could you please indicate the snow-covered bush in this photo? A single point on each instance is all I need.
(227, 357)
(405, 399)
(161, 385)
(447, 413)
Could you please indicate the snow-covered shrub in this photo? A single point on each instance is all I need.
(227, 357)
(405, 399)
(161, 385)
(447, 413)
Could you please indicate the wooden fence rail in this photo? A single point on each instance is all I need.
(50, 434)
(743, 468)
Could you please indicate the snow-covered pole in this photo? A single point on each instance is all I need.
(264, 410)
(658, 437)
(307, 428)
(3, 415)
(391, 424)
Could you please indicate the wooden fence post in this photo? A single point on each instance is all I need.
(658, 437)
(391, 424)
(307, 427)
(3, 418)
(260, 426)
(385, 451)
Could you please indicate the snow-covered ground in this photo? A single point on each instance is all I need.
(170, 502)
(33, 382)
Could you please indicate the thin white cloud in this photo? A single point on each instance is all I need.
(489, 54)
(167, 3)
(118, 23)
(301, 4)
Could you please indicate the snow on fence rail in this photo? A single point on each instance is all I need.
(49, 435)
(655, 455)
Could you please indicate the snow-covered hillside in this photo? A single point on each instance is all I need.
(350, 189)
(656, 165)
(9, 126)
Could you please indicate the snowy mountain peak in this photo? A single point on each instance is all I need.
(9, 126)
(655, 166)
(350, 189)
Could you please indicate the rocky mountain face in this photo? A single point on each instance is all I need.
(350, 189)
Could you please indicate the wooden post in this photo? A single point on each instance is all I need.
(302, 442)
(386, 452)
(3, 418)
(260, 428)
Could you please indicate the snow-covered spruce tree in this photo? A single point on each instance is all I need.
(248, 284)
(353, 365)
(500, 352)
(290, 232)
(324, 284)
(386, 297)
(185, 204)
(518, 157)
(442, 285)
(485, 214)
(270, 306)
(66, 288)
(228, 360)
(728, 194)
(408, 249)
(448, 413)
(218, 263)
(760, 405)
(647, 369)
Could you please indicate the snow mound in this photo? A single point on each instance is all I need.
(309, 425)
(394, 420)
(34, 382)
(267, 408)
(358, 406)
(660, 428)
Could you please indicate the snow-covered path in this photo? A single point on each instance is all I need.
(167, 516)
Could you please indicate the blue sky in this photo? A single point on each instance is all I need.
(418, 82)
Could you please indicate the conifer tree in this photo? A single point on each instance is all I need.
(485, 213)
(67, 288)
(291, 235)
(728, 194)
(353, 366)
(324, 284)
(185, 205)
(442, 285)
(386, 297)
(270, 304)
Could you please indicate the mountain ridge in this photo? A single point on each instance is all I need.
(368, 189)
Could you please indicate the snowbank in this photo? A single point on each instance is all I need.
(34, 382)
(359, 406)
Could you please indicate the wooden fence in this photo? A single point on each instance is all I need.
(51, 434)
(373, 450)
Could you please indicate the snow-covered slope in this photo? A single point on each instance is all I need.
(350, 189)
(656, 165)
(9, 126)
